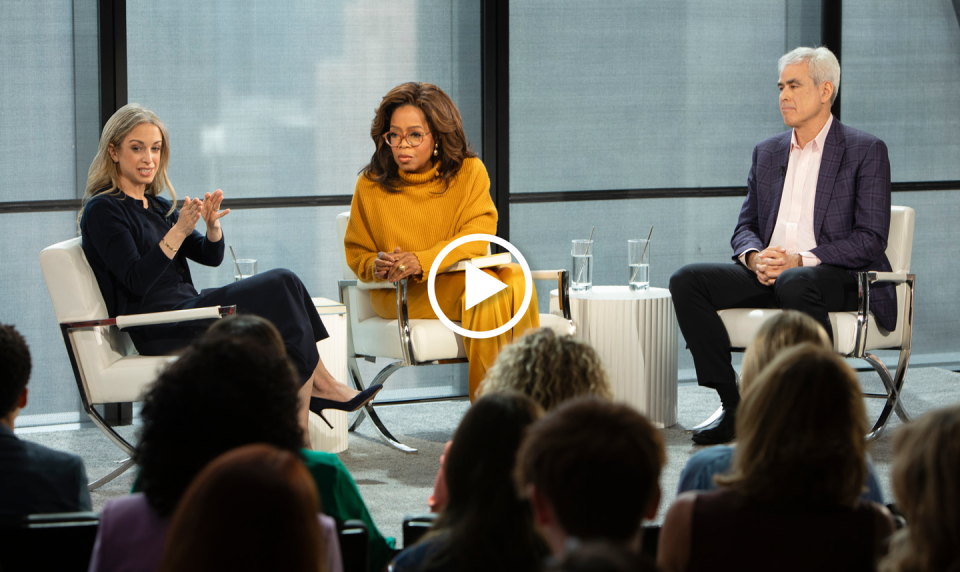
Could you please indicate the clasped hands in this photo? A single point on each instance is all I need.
(397, 265)
(770, 262)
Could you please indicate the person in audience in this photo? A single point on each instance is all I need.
(817, 211)
(36, 479)
(274, 528)
(221, 394)
(484, 525)
(546, 366)
(338, 492)
(786, 330)
(138, 243)
(926, 484)
(602, 556)
(591, 471)
(791, 500)
(423, 188)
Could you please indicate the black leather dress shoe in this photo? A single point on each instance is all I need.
(723, 431)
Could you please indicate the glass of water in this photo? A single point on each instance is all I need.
(581, 277)
(245, 268)
(638, 261)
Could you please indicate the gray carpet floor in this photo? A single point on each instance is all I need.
(394, 483)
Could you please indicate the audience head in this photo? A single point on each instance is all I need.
(483, 510)
(586, 449)
(220, 394)
(444, 125)
(104, 173)
(801, 431)
(15, 364)
(249, 327)
(788, 329)
(926, 484)
(550, 368)
(252, 508)
(821, 64)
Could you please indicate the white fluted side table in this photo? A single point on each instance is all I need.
(635, 333)
(333, 353)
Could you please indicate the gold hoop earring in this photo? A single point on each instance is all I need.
(435, 150)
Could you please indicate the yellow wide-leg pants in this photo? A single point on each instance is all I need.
(492, 313)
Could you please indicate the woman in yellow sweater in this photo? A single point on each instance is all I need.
(424, 188)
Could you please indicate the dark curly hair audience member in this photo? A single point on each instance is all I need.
(338, 492)
(591, 470)
(791, 500)
(926, 484)
(274, 528)
(221, 393)
(484, 526)
(36, 479)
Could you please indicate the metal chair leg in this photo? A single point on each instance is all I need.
(892, 387)
(368, 409)
(125, 464)
(119, 441)
(716, 414)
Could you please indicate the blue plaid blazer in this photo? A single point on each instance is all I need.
(851, 207)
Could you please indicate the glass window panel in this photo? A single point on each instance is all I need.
(37, 133)
(26, 305)
(624, 95)
(277, 99)
(901, 82)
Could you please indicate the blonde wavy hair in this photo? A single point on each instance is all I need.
(926, 484)
(789, 329)
(801, 431)
(104, 174)
(549, 368)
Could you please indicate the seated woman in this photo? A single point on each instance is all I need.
(423, 188)
(138, 243)
(484, 526)
(789, 329)
(248, 395)
(274, 528)
(339, 494)
(792, 498)
(926, 484)
(545, 366)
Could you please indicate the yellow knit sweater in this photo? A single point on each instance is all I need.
(422, 218)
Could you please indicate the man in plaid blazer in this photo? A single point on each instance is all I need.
(817, 211)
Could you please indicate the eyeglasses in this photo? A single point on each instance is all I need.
(393, 138)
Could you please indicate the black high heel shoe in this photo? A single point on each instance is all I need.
(318, 404)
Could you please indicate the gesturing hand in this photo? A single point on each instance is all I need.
(189, 216)
(210, 209)
(404, 264)
(383, 263)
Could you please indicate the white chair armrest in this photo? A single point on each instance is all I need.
(168, 317)
(898, 277)
(545, 274)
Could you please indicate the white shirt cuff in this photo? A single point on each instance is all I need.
(809, 259)
(743, 256)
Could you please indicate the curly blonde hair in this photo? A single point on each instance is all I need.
(926, 483)
(550, 368)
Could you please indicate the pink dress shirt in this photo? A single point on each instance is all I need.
(794, 228)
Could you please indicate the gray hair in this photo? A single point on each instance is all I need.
(821, 62)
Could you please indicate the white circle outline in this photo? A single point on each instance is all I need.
(432, 285)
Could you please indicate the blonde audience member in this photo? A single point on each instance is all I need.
(926, 484)
(792, 498)
(548, 367)
(274, 528)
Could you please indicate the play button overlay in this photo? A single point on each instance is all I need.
(480, 286)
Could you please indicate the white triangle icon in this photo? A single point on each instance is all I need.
(480, 285)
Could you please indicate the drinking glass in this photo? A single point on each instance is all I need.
(638, 264)
(581, 277)
(245, 268)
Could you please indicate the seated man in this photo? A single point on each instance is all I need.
(591, 470)
(817, 211)
(36, 479)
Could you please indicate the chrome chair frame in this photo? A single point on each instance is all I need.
(403, 325)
